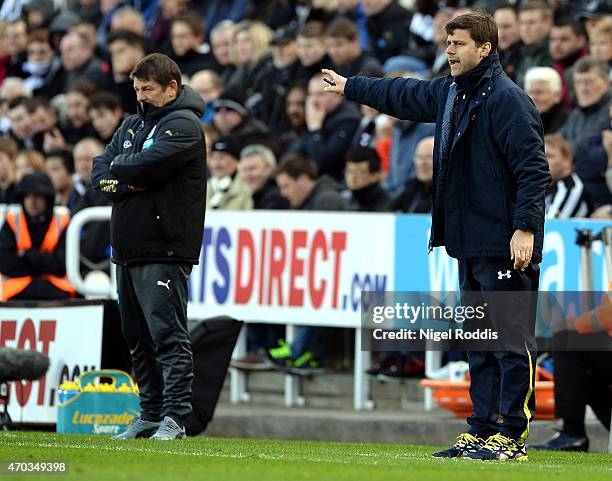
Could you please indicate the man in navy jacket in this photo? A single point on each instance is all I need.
(490, 179)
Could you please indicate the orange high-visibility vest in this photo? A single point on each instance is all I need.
(11, 286)
(598, 319)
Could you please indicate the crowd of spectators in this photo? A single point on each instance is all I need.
(274, 139)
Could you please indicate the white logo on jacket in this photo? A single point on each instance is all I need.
(507, 274)
(164, 284)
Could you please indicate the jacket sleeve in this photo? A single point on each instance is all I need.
(102, 179)
(519, 135)
(403, 98)
(177, 142)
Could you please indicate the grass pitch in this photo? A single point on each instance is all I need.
(92, 458)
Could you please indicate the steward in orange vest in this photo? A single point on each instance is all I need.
(32, 245)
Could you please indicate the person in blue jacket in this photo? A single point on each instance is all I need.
(490, 179)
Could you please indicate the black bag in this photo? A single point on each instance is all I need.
(212, 342)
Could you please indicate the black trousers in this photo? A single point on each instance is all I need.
(502, 380)
(153, 307)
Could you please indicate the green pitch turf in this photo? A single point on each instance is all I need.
(93, 458)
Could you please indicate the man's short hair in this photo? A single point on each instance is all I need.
(365, 154)
(194, 21)
(577, 27)
(40, 35)
(262, 151)
(342, 27)
(542, 7)
(127, 36)
(9, 147)
(89, 140)
(544, 74)
(586, 64)
(296, 165)
(83, 87)
(559, 142)
(104, 100)
(157, 67)
(27, 102)
(65, 156)
(312, 29)
(481, 26)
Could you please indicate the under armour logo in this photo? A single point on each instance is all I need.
(165, 284)
(501, 275)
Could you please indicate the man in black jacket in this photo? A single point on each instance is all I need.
(490, 178)
(362, 173)
(154, 172)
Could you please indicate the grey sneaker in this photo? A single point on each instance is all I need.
(138, 428)
(169, 430)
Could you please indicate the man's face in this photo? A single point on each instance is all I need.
(601, 48)
(151, 92)
(40, 52)
(83, 159)
(463, 54)
(124, 57)
(321, 100)
(310, 50)
(74, 52)
(77, 104)
(131, 23)
(7, 167)
(295, 104)
(254, 171)
(21, 122)
(59, 175)
(222, 164)
(342, 50)
(226, 120)
(507, 28)
(183, 39)
(533, 27)
(423, 160)
(105, 121)
(16, 37)
(357, 175)
(221, 42)
(35, 204)
(244, 47)
(589, 87)
(543, 96)
(557, 163)
(203, 84)
(284, 54)
(294, 190)
(43, 120)
(564, 43)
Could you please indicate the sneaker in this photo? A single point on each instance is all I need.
(305, 365)
(466, 443)
(278, 357)
(563, 442)
(409, 366)
(138, 428)
(500, 448)
(169, 430)
(253, 361)
(379, 367)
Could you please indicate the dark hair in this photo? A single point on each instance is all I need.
(83, 87)
(159, 68)
(480, 25)
(105, 100)
(576, 27)
(131, 38)
(194, 21)
(296, 165)
(364, 154)
(542, 7)
(40, 35)
(586, 64)
(313, 29)
(28, 103)
(506, 6)
(65, 156)
(342, 27)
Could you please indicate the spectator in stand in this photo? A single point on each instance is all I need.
(43, 69)
(159, 33)
(127, 19)
(77, 125)
(32, 245)
(8, 187)
(535, 23)
(105, 114)
(226, 190)
(79, 61)
(510, 46)
(295, 110)
(220, 41)
(186, 37)
(600, 41)
(440, 65)
(126, 50)
(20, 112)
(45, 125)
(10, 88)
(354, 11)
(362, 174)
(207, 84)
(311, 51)
(568, 43)
(566, 197)
(17, 41)
(39, 13)
(28, 162)
(543, 85)
(59, 166)
(344, 49)
(299, 182)
(388, 25)
(416, 197)
(332, 123)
